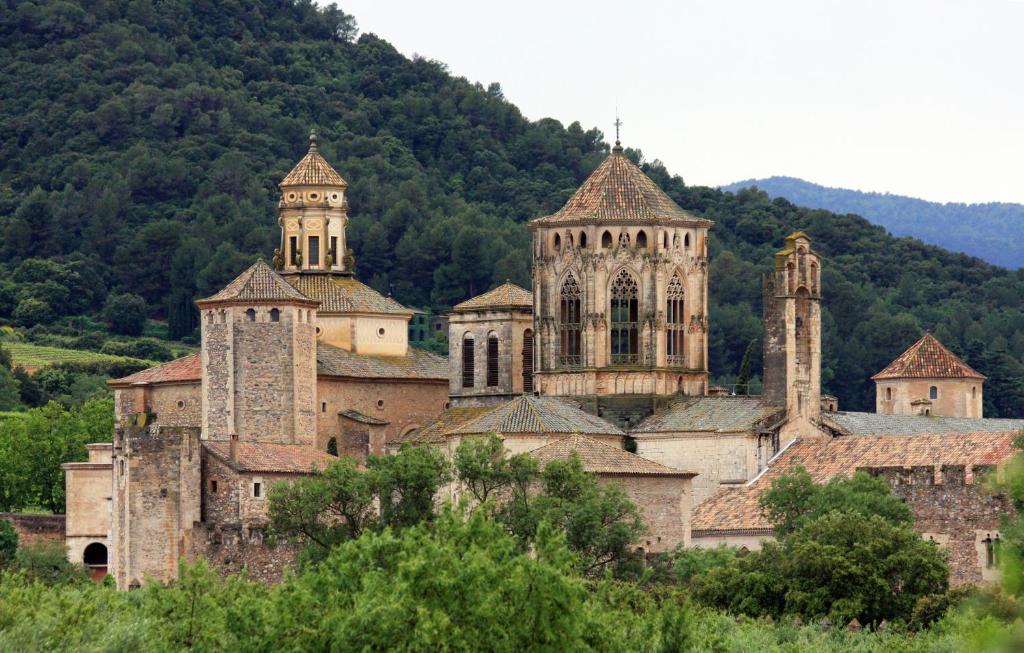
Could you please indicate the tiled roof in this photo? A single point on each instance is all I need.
(258, 283)
(446, 422)
(416, 364)
(343, 294)
(188, 368)
(928, 359)
(506, 295)
(265, 457)
(619, 192)
(603, 458)
(736, 508)
(313, 170)
(848, 423)
(364, 419)
(529, 414)
(717, 414)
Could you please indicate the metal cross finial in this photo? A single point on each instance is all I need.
(618, 123)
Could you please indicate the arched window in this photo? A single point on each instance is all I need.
(570, 323)
(95, 555)
(686, 241)
(332, 446)
(558, 244)
(623, 239)
(625, 312)
(250, 315)
(275, 315)
(674, 318)
(933, 393)
(492, 361)
(801, 257)
(888, 394)
(606, 240)
(974, 392)
(468, 364)
(791, 276)
(641, 240)
(528, 360)
(583, 240)
(814, 278)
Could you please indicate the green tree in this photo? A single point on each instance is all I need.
(125, 314)
(31, 311)
(8, 543)
(407, 483)
(10, 390)
(483, 468)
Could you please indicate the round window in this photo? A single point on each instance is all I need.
(313, 196)
(180, 404)
(318, 331)
(380, 403)
(334, 197)
(380, 332)
(291, 197)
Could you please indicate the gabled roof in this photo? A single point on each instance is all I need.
(711, 414)
(603, 458)
(507, 295)
(928, 359)
(737, 508)
(188, 368)
(852, 423)
(266, 457)
(313, 170)
(619, 192)
(416, 364)
(356, 416)
(529, 414)
(259, 283)
(446, 422)
(343, 294)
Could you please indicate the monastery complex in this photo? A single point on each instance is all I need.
(605, 358)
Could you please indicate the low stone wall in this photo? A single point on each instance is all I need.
(32, 529)
(233, 548)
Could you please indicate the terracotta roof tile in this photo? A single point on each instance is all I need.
(529, 414)
(716, 414)
(313, 170)
(504, 296)
(187, 368)
(619, 192)
(266, 457)
(928, 359)
(603, 458)
(258, 283)
(449, 420)
(343, 294)
(416, 364)
(737, 508)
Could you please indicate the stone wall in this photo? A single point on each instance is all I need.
(509, 326)
(234, 501)
(665, 504)
(951, 506)
(404, 404)
(156, 500)
(33, 529)
(717, 458)
(955, 397)
(232, 549)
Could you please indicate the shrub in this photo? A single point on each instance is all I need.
(125, 314)
(8, 542)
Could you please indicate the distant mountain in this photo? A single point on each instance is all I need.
(993, 231)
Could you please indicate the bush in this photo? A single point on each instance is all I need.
(31, 311)
(47, 563)
(8, 542)
(125, 314)
(146, 348)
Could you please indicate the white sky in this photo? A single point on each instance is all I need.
(921, 98)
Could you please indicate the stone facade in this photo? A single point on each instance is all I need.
(952, 397)
(665, 503)
(156, 498)
(792, 335)
(497, 341)
(89, 507)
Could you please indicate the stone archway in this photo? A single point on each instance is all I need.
(95, 558)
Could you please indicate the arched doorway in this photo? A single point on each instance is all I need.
(95, 558)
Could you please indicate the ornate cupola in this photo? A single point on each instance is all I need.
(620, 292)
(312, 213)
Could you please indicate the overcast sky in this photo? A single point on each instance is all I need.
(920, 98)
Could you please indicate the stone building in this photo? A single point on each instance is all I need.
(928, 379)
(620, 295)
(295, 362)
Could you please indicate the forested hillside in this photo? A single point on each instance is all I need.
(993, 231)
(141, 142)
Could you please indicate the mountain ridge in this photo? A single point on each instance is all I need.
(992, 231)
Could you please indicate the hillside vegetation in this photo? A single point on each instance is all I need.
(993, 231)
(141, 142)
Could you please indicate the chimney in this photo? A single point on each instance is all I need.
(233, 447)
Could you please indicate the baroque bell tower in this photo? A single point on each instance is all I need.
(792, 331)
(312, 213)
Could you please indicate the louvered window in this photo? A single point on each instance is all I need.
(492, 361)
(570, 324)
(675, 322)
(625, 314)
(528, 361)
(468, 364)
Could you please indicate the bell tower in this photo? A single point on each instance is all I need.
(792, 330)
(312, 213)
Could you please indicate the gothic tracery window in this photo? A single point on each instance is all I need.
(570, 323)
(625, 314)
(675, 322)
